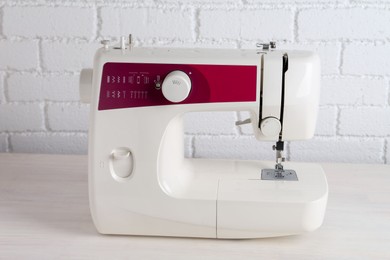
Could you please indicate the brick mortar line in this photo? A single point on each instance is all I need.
(46, 123)
(48, 4)
(204, 6)
(46, 73)
(66, 103)
(77, 4)
(6, 137)
(1, 22)
(5, 87)
(39, 100)
(224, 7)
(341, 59)
(323, 136)
(315, 138)
(341, 6)
(296, 26)
(347, 138)
(47, 133)
(248, 134)
(9, 148)
(200, 40)
(249, 6)
(40, 57)
(201, 4)
(95, 24)
(379, 137)
(383, 157)
(99, 22)
(354, 76)
(43, 73)
(352, 106)
(338, 121)
(67, 72)
(388, 91)
(49, 39)
(192, 147)
(327, 106)
(86, 40)
(210, 135)
(43, 102)
(341, 106)
(196, 21)
(25, 102)
(2, 93)
(360, 41)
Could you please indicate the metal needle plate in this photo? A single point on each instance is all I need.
(272, 174)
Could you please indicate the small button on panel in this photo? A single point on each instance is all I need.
(121, 163)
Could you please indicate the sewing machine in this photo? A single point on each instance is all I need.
(140, 182)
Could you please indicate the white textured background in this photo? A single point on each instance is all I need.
(44, 44)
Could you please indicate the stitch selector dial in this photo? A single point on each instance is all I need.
(176, 86)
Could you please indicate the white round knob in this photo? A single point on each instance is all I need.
(176, 86)
(270, 126)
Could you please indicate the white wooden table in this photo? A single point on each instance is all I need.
(44, 214)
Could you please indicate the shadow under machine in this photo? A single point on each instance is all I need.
(140, 183)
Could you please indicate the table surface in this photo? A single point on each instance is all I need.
(44, 214)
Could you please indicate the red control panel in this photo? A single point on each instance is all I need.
(126, 85)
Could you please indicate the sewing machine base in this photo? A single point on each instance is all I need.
(223, 199)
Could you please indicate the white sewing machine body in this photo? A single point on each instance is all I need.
(140, 183)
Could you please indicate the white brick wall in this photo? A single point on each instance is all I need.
(328, 121)
(344, 23)
(246, 24)
(18, 55)
(367, 59)
(67, 117)
(40, 87)
(211, 123)
(44, 44)
(21, 117)
(356, 91)
(49, 143)
(365, 121)
(53, 21)
(239, 147)
(145, 23)
(346, 150)
(67, 56)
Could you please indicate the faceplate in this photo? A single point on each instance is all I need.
(127, 85)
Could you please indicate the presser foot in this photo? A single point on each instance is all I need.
(279, 173)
